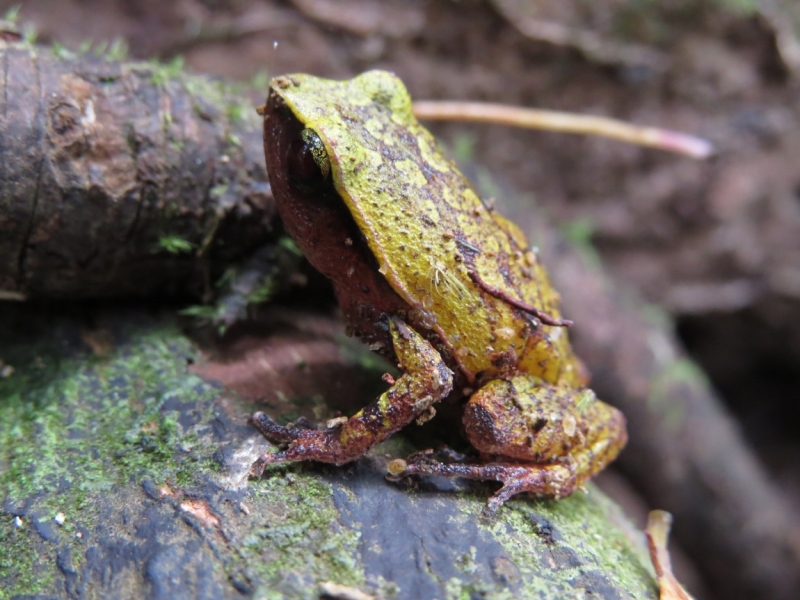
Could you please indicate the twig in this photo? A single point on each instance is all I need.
(550, 120)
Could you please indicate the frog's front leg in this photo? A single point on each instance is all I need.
(537, 438)
(426, 379)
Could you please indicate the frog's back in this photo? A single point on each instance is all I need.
(430, 232)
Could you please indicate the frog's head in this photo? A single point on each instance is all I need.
(319, 165)
(320, 170)
(335, 117)
(362, 187)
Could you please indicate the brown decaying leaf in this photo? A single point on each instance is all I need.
(657, 532)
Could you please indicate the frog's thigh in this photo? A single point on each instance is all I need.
(541, 439)
(426, 379)
(527, 419)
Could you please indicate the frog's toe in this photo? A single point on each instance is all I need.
(257, 468)
(505, 493)
(277, 434)
(268, 458)
(490, 508)
(545, 481)
(423, 462)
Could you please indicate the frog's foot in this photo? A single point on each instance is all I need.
(426, 380)
(545, 481)
(278, 434)
(299, 436)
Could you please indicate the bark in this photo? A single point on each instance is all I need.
(122, 179)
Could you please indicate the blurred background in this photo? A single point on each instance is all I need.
(715, 244)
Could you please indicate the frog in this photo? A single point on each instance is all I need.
(432, 277)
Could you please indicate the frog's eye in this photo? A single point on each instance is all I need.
(308, 161)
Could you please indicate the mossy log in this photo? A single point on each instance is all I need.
(123, 179)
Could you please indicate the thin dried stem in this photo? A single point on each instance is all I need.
(549, 120)
(659, 523)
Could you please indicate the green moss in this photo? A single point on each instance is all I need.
(457, 589)
(584, 542)
(304, 544)
(59, 51)
(175, 245)
(117, 50)
(238, 112)
(225, 98)
(234, 140)
(12, 14)
(21, 564)
(71, 430)
(163, 73)
(97, 424)
(219, 190)
(29, 34)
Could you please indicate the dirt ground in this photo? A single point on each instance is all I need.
(715, 243)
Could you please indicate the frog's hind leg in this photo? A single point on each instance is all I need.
(549, 481)
(426, 380)
(543, 439)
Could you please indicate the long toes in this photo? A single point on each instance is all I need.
(490, 509)
(271, 430)
(257, 468)
(268, 458)
(499, 498)
(419, 463)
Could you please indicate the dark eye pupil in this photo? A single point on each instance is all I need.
(302, 164)
(308, 162)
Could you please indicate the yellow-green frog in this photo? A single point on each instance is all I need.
(430, 276)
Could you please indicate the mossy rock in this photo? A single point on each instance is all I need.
(122, 474)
